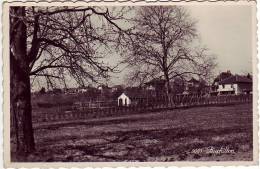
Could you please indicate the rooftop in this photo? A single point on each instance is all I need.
(156, 82)
(236, 79)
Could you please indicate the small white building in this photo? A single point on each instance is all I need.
(123, 100)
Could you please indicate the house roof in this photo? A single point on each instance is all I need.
(156, 82)
(117, 86)
(222, 76)
(236, 79)
(103, 86)
(193, 80)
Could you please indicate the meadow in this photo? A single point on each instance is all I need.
(172, 135)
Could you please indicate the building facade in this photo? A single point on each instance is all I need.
(235, 85)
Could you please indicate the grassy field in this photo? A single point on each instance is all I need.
(174, 135)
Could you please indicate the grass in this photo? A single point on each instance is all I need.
(157, 136)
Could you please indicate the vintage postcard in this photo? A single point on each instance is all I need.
(111, 84)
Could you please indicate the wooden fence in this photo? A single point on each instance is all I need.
(60, 114)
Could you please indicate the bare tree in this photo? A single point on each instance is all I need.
(54, 43)
(73, 41)
(20, 83)
(161, 45)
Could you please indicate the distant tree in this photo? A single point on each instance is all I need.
(56, 91)
(160, 46)
(42, 91)
(54, 43)
(249, 76)
(203, 87)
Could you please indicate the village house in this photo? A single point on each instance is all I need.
(235, 85)
(82, 90)
(104, 88)
(54, 91)
(78, 90)
(191, 86)
(117, 88)
(220, 77)
(155, 87)
(196, 87)
(155, 84)
(104, 91)
(70, 90)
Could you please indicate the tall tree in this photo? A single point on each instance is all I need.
(55, 43)
(161, 45)
(20, 82)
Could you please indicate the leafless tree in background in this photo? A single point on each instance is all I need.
(55, 42)
(161, 46)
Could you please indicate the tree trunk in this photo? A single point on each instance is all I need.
(21, 110)
(168, 88)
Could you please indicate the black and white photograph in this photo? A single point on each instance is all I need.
(131, 83)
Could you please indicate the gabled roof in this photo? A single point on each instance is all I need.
(117, 86)
(222, 76)
(193, 80)
(236, 79)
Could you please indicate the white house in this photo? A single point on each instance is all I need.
(123, 100)
(82, 90)
(235, 85)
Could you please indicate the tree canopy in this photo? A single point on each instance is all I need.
(69, 41)
(162, 45)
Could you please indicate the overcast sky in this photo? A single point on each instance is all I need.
(227, 32)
